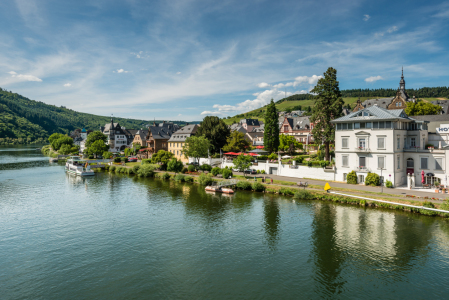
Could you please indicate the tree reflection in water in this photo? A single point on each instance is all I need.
(272, 219)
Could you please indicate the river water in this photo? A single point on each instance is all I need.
(120, 237)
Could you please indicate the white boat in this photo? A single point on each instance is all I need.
(77, 166)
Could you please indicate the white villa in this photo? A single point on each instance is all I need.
(391, 144)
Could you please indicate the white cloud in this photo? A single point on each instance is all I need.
(306, 79)
(263, 85)
(121, 71)
(366, 17)
(373, 78)
(392, 29)
(178, 73)
(22, 77)
(67, 84)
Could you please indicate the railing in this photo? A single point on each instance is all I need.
(362, 149)
(362, 169)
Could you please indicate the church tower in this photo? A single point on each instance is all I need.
(402, 82)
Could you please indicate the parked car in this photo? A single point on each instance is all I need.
(132, 159)
(250, 171)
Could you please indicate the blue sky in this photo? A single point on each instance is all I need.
(182, 60)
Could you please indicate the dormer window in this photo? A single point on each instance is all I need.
(365, 114)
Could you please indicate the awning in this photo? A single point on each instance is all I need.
(259, 147)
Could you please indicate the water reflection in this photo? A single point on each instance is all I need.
(272, 219)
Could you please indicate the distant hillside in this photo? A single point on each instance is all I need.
(24, 121)
(304, 101)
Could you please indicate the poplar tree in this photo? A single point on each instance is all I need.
(328, 106)
(271, 132)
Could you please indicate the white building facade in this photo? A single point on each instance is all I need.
(389, 143)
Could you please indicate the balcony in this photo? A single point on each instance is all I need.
(362, 169)
(419, 149)
(362, 149)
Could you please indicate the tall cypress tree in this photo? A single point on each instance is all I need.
(271, 133)
(328, 106)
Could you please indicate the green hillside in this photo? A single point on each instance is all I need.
(25, 121)
(286, 103)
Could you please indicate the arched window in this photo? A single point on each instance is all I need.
(410, 163)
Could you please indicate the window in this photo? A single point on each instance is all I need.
(349, 125)
(375, 125)
(388, 124)
(381, 125)
(368, 125)
(362, 125)
(423, 162)
(405, 142)
(439, 163)
(285, 128)
(344, 142)
(356, 125)
(398, 162)
(344, 126)
(361, 178)
(362, 144)
(338, 126)
(344, 176)
(413, 142)
(344, 160)
(398, 143)
(362, 162)
(410, 163)
(381, 143)
(381, 162)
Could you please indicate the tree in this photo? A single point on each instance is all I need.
(65, 149)
(422, 108)
(328, 105)
(175, 165)
(107, 154)
(95, 136)
(162, 157)
(216, 131)
(62, 140)
(288, 143)
(97, 148)
(242, 162)
(271, 133)
(54, 137)
(196, 147)
(236, 142)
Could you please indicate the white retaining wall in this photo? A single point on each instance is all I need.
(286, 171)
(208, 161)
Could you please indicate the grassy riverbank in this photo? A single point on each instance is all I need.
(283, 189)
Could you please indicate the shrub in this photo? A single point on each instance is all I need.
(388, 184)
(135, 169)
(299, 159)
(130, 171)
(303, 195)
(188, 179)
(205, 179)
(124, 159)
(165, 176)
(216, 171)
(351, 178)
(112, 169)
(428, 204)
(372, 179)
(91, 157)
(273, 156)
(244, 185)
(286, 191)
(226, 173)
(262, 157)
(106, 167)
(309, 163)
(117, 159)
(258, 187)
(313, 156)
(323, 163)
(146, 170)
(191, 168)
(180, 178)
(117, 170)
(146, 161)
(262, 172)
(205, 167)
(184, 170)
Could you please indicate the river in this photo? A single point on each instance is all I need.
(120, 237)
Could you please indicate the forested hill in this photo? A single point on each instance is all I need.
(25, 121)
(425, 92)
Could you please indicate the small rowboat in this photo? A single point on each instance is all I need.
(219, 189)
